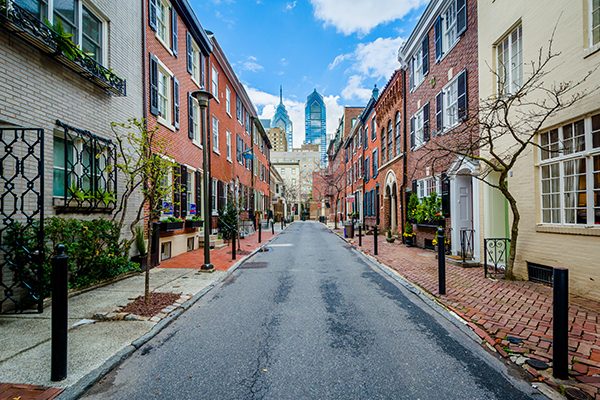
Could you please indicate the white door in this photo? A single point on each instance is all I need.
(464, 218)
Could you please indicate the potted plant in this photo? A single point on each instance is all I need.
(390, 238)
(194, 222)
(140, 246)
(171, 224)
(408, 234)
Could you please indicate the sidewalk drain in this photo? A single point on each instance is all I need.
(265, 249)
(254, 265)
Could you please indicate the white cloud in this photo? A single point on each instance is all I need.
(361, 16)
(338, 60)
(290, 6)
(252, 66)
(284, 62)
(355, 89)
(267, 103)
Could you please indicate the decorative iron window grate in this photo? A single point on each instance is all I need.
(84, 178)
(541, 274)
(25, 25)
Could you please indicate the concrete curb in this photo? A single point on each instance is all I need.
(81, 386)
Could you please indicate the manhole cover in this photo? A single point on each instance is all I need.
(577, 394)
(514, 340)
(254, 265)
(264, 249)
(537, 364)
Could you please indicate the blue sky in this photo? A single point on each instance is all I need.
(339, 47)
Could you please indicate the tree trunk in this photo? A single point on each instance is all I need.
(514, 232)
(148, 262)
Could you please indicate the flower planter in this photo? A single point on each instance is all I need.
(409, 241)
(390, 240)
(194, 224)
(171, 226)
(140, 260)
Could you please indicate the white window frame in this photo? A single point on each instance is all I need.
(228, 100)
(197, 140)
(450, 104)
(449, 32)
(510, 74)
(419, 128)
(196, 66)
(214, 82)
(228, 145)
(191, 189)
(416, 65)
(167, 118)
(214, 197)
(593, 46)
(215, 134)
(553, 199)
(167, 24)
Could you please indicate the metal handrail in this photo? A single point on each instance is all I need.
(496, 251)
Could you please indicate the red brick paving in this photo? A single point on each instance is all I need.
(220, 258)
(9, 391)
(501, 308)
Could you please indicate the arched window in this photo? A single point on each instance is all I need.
(398, 134)
(390, 140)
(383, 152)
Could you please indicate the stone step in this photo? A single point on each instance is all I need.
(214, 244)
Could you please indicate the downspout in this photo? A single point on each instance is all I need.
(404, 161)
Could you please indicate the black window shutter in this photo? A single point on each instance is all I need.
(198, 193)
(438, 38)
(176, 191)
(152, 14)
(425, 48)
(445, 196)
(220, 199)
(176, 102)
(462, 95)
(184, 183)
(412, 132)
(153, 85)
(174, 31)
(190, 52)
(190, 115)
(439, 113)
(426, 122)
(461, 16)
(414, 187)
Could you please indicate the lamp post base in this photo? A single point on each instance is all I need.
(207, 268)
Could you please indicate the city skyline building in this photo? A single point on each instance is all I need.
(315, 124)
(282, 120)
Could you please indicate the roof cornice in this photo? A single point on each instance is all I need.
(423, 26)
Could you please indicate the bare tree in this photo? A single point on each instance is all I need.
(504, 126)
(333, 185)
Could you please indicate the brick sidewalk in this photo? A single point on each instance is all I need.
(496, 309)
(220, 258)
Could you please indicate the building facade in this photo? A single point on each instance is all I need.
(315, 124)
(278, 139)
(308, 159)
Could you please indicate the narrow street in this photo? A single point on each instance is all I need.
(310, 319)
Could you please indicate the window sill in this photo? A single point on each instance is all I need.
(591, 50)
(163, 43)
(195, 143)
(229, 159)
(216, 151)
(444, 54)
(165, 123)
(196, 82)
(584, 230)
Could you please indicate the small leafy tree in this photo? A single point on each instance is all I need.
(143, 160)
(228, 220)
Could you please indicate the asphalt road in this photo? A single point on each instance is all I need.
(311, 319)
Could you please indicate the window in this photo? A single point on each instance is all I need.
(390, 142)
(228, 146)
(450, 110)
(213, 196)
(194, 120)
(398, 133)
(375, 160)
(449, 26)
(293, 170)
(594, 22)
(215, 83)
(570, 173)
(165, 251)
(419, 64)
(163, 88)
(191, 195)
(383, 142)
(87, 28)
(228, 100)
(427, 186)
(215, 137)
(510, 62)
(195, 61)
(162, 21)
(373, 130)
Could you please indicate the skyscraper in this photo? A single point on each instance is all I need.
(282, 120)
(315, 127)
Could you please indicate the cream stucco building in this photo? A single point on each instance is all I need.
(557, 190)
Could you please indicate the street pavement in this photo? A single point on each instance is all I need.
(311, 319)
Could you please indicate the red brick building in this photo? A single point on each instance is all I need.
(440, 59)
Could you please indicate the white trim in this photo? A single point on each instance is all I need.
(164, 41)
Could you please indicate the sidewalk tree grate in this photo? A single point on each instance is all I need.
(254, 265)
(573, 393)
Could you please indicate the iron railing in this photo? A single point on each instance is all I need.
(85, 180)
(27, 26)
(466, 244)
(496, 252)
(21, 220)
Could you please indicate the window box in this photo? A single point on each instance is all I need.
(71, 204)
(193, 224)
(28, 27)
(171, 226)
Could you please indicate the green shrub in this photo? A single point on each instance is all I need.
(227, 222)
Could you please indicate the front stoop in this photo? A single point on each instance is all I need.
(457, 260)
(214, 243)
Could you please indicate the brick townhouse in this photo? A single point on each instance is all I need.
(57, 105)
(440, 57)
(370, 158)
(392, 131)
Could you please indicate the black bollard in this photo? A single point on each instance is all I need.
(375, 239)
(560, 324)
(441, 260)
(60, 314)
(273, 227)
(259, 231)
(359, 236)
(233, 245)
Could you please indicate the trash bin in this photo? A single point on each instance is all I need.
(349, 229)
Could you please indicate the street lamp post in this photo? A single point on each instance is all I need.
(203, 97)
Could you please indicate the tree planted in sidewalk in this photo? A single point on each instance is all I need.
(142, 158)
(505, 126)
